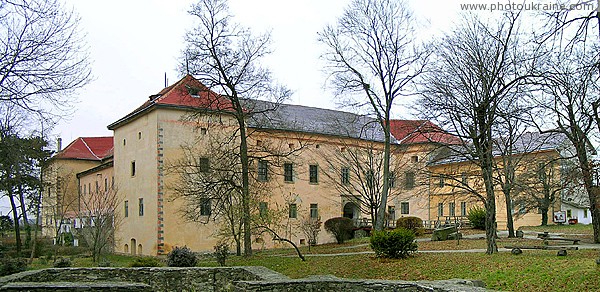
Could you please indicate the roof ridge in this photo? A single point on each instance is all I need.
(88, 148)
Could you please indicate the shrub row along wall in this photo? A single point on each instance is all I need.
(205, 279)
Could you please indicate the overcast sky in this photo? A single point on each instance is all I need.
(134, 43)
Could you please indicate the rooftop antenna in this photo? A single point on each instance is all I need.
(187, 64)
(166, 80)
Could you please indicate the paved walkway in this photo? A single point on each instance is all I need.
(503, 234)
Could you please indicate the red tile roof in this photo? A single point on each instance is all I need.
(420, 131)
(187, 92)
(87, 148)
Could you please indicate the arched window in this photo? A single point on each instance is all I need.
(139, 251)
(133, 245)
(126, 248)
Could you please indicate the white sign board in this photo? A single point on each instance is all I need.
(560, 217)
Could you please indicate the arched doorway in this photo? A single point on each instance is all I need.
(351, 211)
(133, 245)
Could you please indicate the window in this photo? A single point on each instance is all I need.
(203, 164)
(522, 208)
(314, 211)
(391, 213)
(391, 179)
(139, 135)
(452, 209)
(463, 209)
(141, 206)
(569, 213)
(106, 184)
(205, 207)
(409, 180)
(370, 177)
(293, 211)
(585, 213)
(414, 159)
(112, 183)
(262, 209)
(440, 209)
(464, 178)
(84, 189)
(288, 172)
(345, 175)
(203, 131)
(291, 145)
(441, 181)
(133, 168)
(404, 208)
(124, 142)
(313, 173)
(259, 143)
(126, 208)
(97, 188)
(262, 170)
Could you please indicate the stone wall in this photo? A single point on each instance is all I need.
(206, 279)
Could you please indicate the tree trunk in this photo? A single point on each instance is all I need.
(509, 217)
(245, 182)
(386, 173)
(25, 219)
(16, 220)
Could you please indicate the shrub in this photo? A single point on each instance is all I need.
(146, 262)
(477, 217)
(340, 227)
(62, 262)
(181, 257)
(221, 253)
(398, 243)
(104, 263)
(12, 265)
(415, 224)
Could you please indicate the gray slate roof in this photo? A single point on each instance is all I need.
(298, 118)
(527, 142)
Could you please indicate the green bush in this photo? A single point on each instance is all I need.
(221, 253)
(477, 217)
(340, 227)
(181, 257)
(398, 243)
(12, 265)
(62, 262)
(415, 224)
(146, 262)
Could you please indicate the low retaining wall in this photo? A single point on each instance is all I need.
(206, 279)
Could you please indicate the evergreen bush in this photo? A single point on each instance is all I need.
(415, 224)
(477, 217)
(62, 262)
(398, 243)
(340, 227)
(12, 265)
(181, 257)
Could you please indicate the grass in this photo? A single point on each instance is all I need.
(534, 270)
(566, 229)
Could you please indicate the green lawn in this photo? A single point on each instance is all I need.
(567, 229)
(534, 270)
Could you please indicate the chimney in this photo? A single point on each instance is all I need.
(59, 144)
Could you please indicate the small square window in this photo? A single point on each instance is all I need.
(203, 131)
(414, 158)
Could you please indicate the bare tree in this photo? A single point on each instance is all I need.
(226, 58)
(42, 57)
(570, 87)
(98, 219)
(479, 67)
(372, 51)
